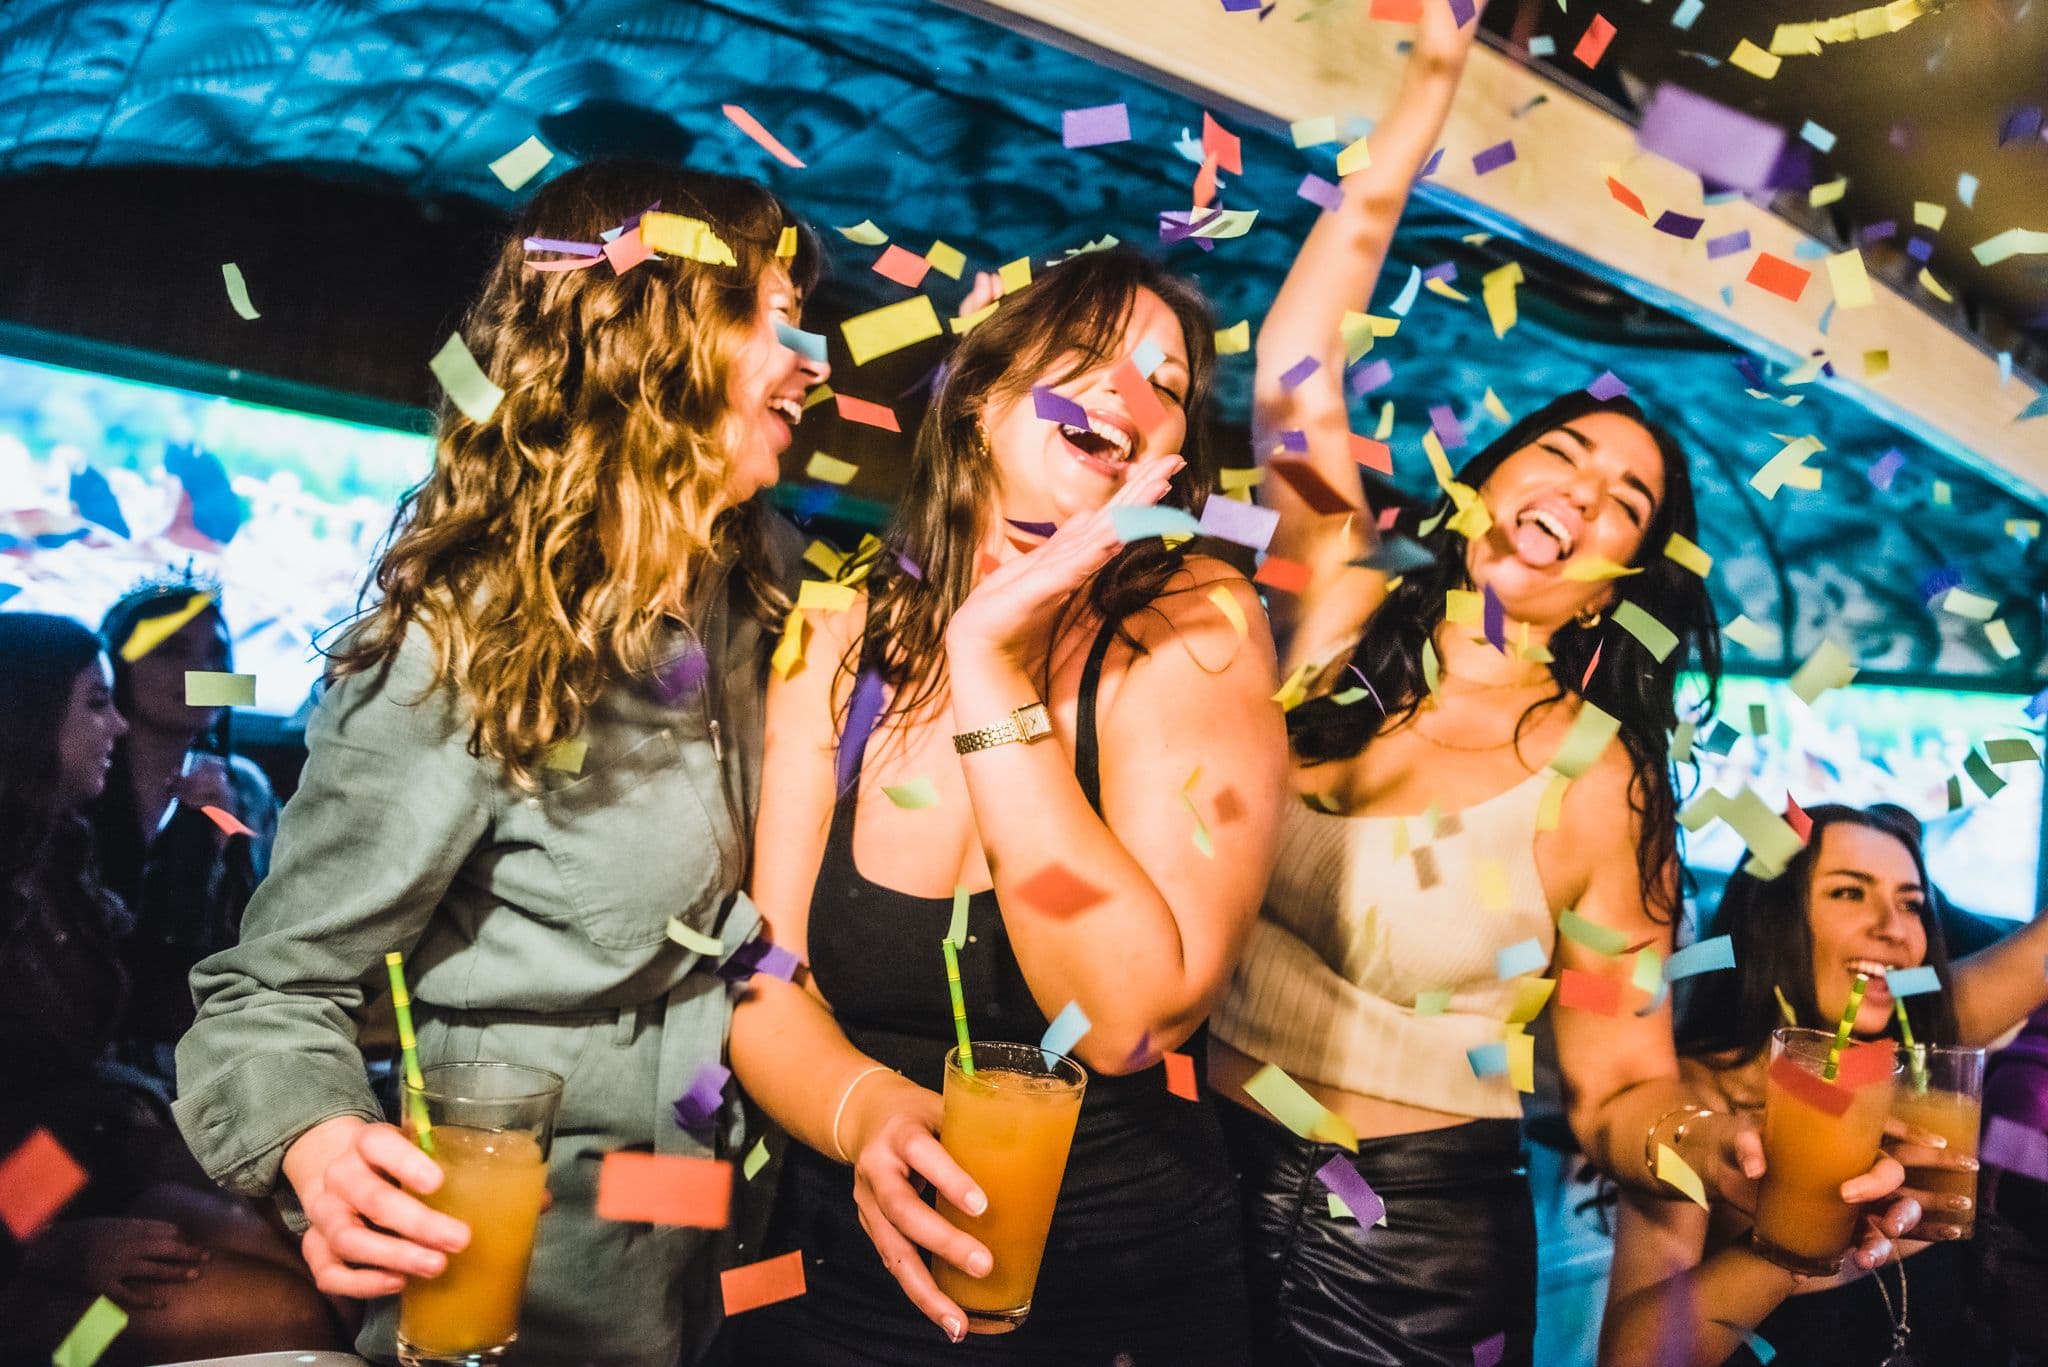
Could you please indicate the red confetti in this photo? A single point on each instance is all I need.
(1136, 392)
(763, 1283)
(1387, 518)
(1222, 145)
(1058, 892)
(665, 1189)
(1593, 46)
(904, 267)
(1589, 992)
(1779, 276)
(226, 820)
(36, 1180)
(1797, 819)
(1627, 196)
(1373, 455)
(1397, 11)
(751, 126)
(1309, 485)
(861, 411)
(1591, 665)
(1288, 576)
(1180, 1077)
(627, 251)
(1205, 183)
(1808, 1087)
(1867, 1063)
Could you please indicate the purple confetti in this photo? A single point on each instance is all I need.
(1443, 270)
(909, 567)
(863, 710)
(682, 676)
(1879, 232)
(1436, 159)
(1746, 368)
(1105, 123)
(1462, 11)
(1294, 439)
(1679, 225)
(1489, 1352)
(1936, 582)
(1608, 386)
(1354, 1191)
(1448, 429)
(1247, 524)
(1177, 225)
(1495, 617)
(1718, 143)
(1033, 528)
(2021, 124)
(1921, 250)
(1316, 190)
(759, 955)
(1056, 407)
(1239, 6)
(1299, 371)
(698, 1107)
(2037, 706)
(2014, 1147)
(1493, 158)
(556, 244)
(1886, 468)
(1375, 374)
(1728, 244)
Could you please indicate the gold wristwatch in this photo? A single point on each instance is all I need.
(1026, 724)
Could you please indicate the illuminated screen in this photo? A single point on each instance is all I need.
(1862, 745)
(104, 481)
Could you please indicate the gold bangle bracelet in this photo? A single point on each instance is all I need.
(1691, 1111)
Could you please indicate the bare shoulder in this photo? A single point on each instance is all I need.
(1187, 602)
(1597, 806)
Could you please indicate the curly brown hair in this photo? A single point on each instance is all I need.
(552, 545)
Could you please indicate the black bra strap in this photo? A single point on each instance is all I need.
(1087, 749)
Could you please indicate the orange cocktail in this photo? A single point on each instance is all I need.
(1817, 1135)
(1010, 1126)
(491, 1125)
(1950, 1105)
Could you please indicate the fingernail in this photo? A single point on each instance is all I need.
(976, 1202)
(981, 1264)
(1951, 1232)
(1968, 1165)
(954, 1329)
(1960, 1203)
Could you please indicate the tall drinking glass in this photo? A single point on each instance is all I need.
(1950, 1104)
(492, 1124)
(1010, 1126)
(1817, 1135)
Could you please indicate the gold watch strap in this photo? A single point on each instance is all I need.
(987, 737)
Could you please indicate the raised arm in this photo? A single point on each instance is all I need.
(2001, 985)
(1333, 274)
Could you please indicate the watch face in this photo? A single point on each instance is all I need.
(1034, 721)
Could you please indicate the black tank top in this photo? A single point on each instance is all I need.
(1144, 1258)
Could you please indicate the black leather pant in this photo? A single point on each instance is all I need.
(1454, 1265)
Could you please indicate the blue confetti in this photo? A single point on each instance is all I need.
(1071, 1023)
(1912, 982)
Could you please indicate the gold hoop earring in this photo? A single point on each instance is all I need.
(1588, 617)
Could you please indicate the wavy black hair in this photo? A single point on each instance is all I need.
(1729, 1016)
(1631, 685)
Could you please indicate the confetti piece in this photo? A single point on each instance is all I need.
(207, 689)
(1318, 191)
(1963, 603)
(1718, 143)
(1551, 805)
(1628, 198)
(1066, 1031)
(2012, 242)
(1095, 126)
(1778, 276)
(1749, 635)
(1057, 891)
(1655, 637)
(36, 1181)
(522, 163)
(1313, 132)
(1850, 279)
(566, 756)
(751, 126)
(696, 941)
(763, 1283)
(1707, 956)
(1235, 339)
(1180, 1076)
(903, 267)
(702, 1100)
(890, 328)
(1288, 1102)
(1497, 292)
(1581, 991)
(1825, 1097)
(1137, 524)
(1488, 1060)
(1828, 667)
(807, 344)
(1356, 156)
(2015, 1147)
(869, 414)
(1222, 144)
(756, 1159)
(1373, 455)
(1753, 59)
(1348, 1185)
(1912, 982)
(1593, 44)
(238, 291)
(1527, 956)
(1788, 467)
(1687, 13)
(789, 650)
(1288, 576)
(464, 380)
(1489, 1351)
(830, 469)
(1246, 524)
(2011, 750)
(1493, 158)
(1140, 401)
(1819, 137)
(865, 233)
(1226, 603)
(226, 820)
(1591, 732)
(914, 796)
(786, 243)
(101, 1324)
(816, 596)
(626, 251)
(1603, 940)
(1684, 552)
(1543, 45)
(1531, 995)
(1675, 1172)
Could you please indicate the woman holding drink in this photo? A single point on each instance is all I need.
(1025, 709)
(1814, 947)
(532, 773)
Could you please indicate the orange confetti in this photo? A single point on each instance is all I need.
(36, 1180)
(665, 1189)
(1180, 1077)
(1779, 276)
(1222, 146)
(1593, 46)
(1278, 572)
(1397, 11)
(862, 411)
(1058, 891)
(904, 267)
(1136, 392)
(1589, 992)
(226, 820)
(1627, 196)
(763, 1283)
(751, 126)
(1373, 455)
(1205, 183)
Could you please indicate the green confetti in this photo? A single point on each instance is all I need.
(1982, 774)
(913, 796)
(1592, 731)
(756, 1159)
(1433, 1002)
(2011, 751)
(1656, 638)
(101, 1324)
(1605, 940)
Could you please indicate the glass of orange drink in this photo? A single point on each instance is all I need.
(489, 1126)
(1009, 1125)
(1943, 1091)
(1818, 1133)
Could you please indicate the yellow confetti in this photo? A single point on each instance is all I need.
(1943, 495)
(1687, 553)
(789, 651)
(966, 323)
(152, 632)
(1597, 569)
(1433, 1002)
(205, 688)
(696, 941)
(1531, 996)
(1497, 292)
(818, 596)
(785, 246)
(1828, 667)
(1438, 287)
(1851, 281)
(1749, 635)
(830, 469)
(1464, 608)
(1675, 1172)
(467, 387)
(1495, 409)
(864, 232)
(1788, 467)
(1385, 428)
(1755, 60)
(1356, 157)
(890, 328)
(2000, 636)
(1926, 215)
(1551, 804)
(817, 396)
(1294, 691)
(1235, 339)
(1974, 606)
(1591, 732)
(1492, 878)
(1934, 287)
(946, 260)
(681, 235)
(566, 756)
(1226, 603)
(1876, 362)
(1236, 481)
(825, 559)
(1016, 275)
(1828, 192)
(1314, 132)
(522, 163)
(1522, 1061)
(1289, 1103)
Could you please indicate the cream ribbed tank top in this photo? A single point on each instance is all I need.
(1364, 913)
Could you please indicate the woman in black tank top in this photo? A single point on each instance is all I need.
(1156, 671)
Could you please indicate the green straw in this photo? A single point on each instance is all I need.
(959, 1007)
(401, 1005)
(1848, 1023)
(1914, 1059)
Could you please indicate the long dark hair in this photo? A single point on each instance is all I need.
(1631, 685)
(117, 824)
(1730, 1015)
(1076, 310)
(44, 853)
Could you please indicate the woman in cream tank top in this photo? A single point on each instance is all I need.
(1485, 750)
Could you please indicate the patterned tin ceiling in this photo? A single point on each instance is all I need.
(937, 125)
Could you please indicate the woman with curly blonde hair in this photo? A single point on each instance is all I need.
(535, 765)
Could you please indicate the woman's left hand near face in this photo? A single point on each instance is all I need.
(1011, 610)
(208, 784)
